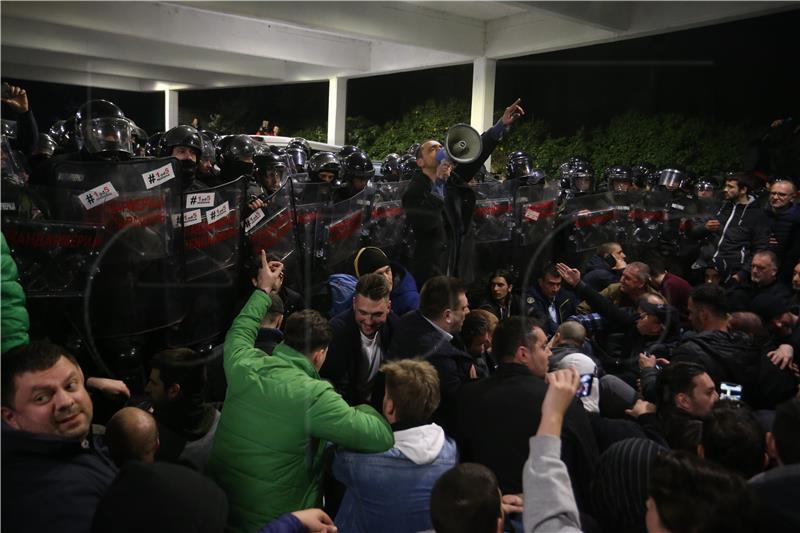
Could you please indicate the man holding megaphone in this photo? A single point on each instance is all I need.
(438, 203)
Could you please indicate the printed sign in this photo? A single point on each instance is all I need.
(190, 218)
(214, 215)
(200, 199)
(98, 196)
(156, 177)
(532, 214)
(253, 219)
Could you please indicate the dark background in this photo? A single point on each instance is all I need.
(744, 71)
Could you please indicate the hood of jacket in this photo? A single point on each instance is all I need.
(596, 263)
(420, 444)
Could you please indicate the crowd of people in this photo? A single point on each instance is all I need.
(621, 389)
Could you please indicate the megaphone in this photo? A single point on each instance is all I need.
(463, 144)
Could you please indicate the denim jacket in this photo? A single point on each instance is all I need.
(390, 491)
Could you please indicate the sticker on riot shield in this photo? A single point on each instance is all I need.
(218, 213)
(190, 218)
(156, 177)
(257, 216)
(98, 196)
(200, 199)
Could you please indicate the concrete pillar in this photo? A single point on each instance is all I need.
(337, 110)
(170, 109)
(483, 75)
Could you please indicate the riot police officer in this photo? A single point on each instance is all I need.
(186, 145)
(390, 168)
(323, 171)
(356, 171)
(207, 170)
(269, 172)
(236, 158)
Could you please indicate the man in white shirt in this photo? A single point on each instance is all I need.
(361, 337)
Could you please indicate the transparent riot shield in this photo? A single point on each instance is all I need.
(134, 273)
(343, 230)
(211, 251)
(535, 213)
(593, 222)
(493, 216)
(271, 228)
(385, 227)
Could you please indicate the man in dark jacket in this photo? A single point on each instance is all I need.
(605, 266)
(498, 415)
(784, 220)
(54, 471)
(762, 280)
(361, 338)
(550, 300)
(432, 333)
(740, 228)
(728, 356)
(434, 208)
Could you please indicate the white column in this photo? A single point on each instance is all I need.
(483, 74)
(170, 109)
(337, 109)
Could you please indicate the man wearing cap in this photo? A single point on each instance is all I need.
(433, 197)
(372, 260)
(650, 328)
(360, 341)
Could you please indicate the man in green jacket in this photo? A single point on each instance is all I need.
(279, 414)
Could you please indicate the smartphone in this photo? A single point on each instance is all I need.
(6, 91)
(586, 385)
(730, 391)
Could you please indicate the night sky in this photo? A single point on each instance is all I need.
(743, 71)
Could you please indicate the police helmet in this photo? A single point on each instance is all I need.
(300, 143)
(45, 145)
(214, 136)
(390, 168)
(346, 150)
(408, 165)
(643, 174)
(187, 136)
(101, 127)
(268, 165)
(153, 145)
(357, 165)
(323, 162)
(209, 152)
(671, 178)
(237, 148)
(618, 178)
(520, 165)
(297, 158)
(581, 177)
(413, 149)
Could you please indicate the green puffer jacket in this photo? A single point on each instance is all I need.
(14, 324)
(278, 416)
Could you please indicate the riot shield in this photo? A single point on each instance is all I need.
(210, 221)
(343, 230)
(494, 211)
(133, 276)
(271, 228)
(535, 213)
(385, 227)
(593, 222)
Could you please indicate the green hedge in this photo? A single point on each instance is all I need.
(702, 145)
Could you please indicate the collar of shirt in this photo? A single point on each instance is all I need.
(447, 335)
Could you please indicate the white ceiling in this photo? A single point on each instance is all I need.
(148, 46)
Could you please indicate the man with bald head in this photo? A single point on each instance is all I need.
(132, 435)
(437, 203)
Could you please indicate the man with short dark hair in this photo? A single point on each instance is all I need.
(54, 469)
(733, 438)
(360, 340)
(605, 266)
(279, 414)
(497, 415)
(390, 491)
(466, 499)
(432, 333)
(186, 422)
(739, 228)
(728, 356)
(549, 299)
